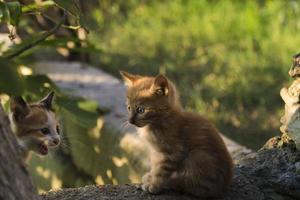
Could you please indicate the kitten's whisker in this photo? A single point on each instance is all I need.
(127, 124)
(124, 119)
(66, 146)
(124, 125)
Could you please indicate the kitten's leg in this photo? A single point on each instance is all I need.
(288, 99)
(290, 102)
(157, 180)
(145, 179)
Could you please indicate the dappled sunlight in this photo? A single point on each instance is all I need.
(41, 191)
(24, 70)
(45, 173)
(138, 149)
(4, 99)
(97, 149)
(56, 183)
(99, 180)
(119, 162)
(96, 132)
(47, 85)
(235, 121)
(109, 174)
(63, 51)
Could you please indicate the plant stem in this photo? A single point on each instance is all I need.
(36, 42)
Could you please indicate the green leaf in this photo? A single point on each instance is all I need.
(10, 12)
(80, 111)
(4, 12)
(15, 12)
(11, 81)
(39, 85)
(71, 6)
(89, 106)
(38, 6)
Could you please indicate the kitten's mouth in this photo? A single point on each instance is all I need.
(137, 124)
(43, 149)
(52, 145)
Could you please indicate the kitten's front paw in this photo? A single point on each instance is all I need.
(149, 186)
(138, 186)
(147, 178)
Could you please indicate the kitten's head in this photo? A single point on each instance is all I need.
(149, 98)
(295, 68)
(35, 124)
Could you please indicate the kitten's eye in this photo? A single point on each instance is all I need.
(45, 131)
(128, 108)
(58, 130)
(140, 110)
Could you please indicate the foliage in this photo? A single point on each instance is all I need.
(17, 79)
(228, 58)
(10, 12)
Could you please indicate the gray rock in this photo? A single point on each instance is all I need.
(297, 167)
(267, 175)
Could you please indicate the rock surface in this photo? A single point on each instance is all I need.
(269, 174)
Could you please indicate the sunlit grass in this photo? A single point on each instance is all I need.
(228, 58)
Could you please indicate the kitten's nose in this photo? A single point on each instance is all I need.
(56, 141)
(132, 120)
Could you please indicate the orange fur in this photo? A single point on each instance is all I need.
(187, 152)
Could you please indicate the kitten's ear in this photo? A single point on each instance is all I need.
(128, 78)
(19, 107)
(47, 101)
(160, 85)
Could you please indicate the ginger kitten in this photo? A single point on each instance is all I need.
(35, 125)
(187, 153)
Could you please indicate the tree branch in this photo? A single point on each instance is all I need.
(12, 54)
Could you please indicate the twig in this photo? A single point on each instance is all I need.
(63, 25)
(45, 36)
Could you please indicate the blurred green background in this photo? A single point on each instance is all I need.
(228, 58)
